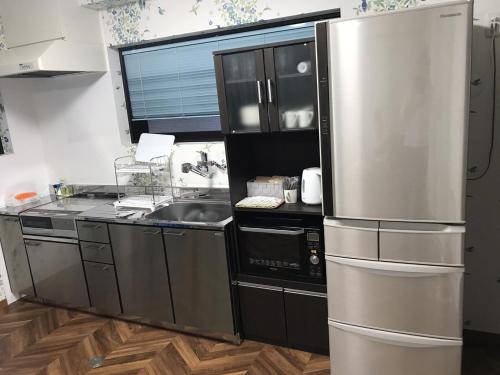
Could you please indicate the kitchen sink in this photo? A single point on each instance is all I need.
(193, 212)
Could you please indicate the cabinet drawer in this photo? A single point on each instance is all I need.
(307, 320)
(401, 297)
(351, 238)
(103, 289)
(262, 313)
(422, 243)
(92, 231)
(96, 252)
(389, 353)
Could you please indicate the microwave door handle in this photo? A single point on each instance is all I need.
(289, 232)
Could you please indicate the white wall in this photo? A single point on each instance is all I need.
(25, 169)
(79, 127)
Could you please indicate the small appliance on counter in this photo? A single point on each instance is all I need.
(311, 186)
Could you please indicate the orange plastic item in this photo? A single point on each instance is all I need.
(26, 195)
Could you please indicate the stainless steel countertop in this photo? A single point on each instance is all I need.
(15, 211)
(107, 213)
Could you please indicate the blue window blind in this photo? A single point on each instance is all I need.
(178, 80)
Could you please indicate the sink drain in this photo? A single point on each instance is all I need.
(96, 362)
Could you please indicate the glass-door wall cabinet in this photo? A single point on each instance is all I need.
(268, 88)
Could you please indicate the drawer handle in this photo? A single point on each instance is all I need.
(92, 226)
(396, 269)
(97, 247)
(181, 234)
(396, 339)
(442, 230)
(272, 231)
(105, 268)
(147, 231)
(352, 224)
(259, 286)
(33, 243)
(12, 219)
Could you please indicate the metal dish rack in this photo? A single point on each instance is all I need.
(143, 184)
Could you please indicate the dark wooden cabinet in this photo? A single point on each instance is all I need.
(268, 88)
(288, 317)
(307, 320)
(262, 312)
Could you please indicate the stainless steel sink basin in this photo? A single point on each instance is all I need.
(193, 212)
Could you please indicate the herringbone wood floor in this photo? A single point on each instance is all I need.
(44, 340)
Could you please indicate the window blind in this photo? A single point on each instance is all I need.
(178, 80)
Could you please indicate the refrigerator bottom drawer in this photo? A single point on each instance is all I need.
(417, 299)
(361, 351)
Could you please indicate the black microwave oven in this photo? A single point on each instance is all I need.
(285, 250)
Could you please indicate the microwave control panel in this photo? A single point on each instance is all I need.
(314, 250)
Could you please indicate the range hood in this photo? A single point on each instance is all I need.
(50, 38)
(52, 58)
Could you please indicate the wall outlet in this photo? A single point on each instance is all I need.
(493, 29)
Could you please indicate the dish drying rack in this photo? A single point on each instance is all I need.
(146, 185)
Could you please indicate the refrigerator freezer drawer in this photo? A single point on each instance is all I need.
(422, 243)
(418, 299)
(387, 353)
(351, 238)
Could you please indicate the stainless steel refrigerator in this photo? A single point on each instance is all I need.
(393, 93)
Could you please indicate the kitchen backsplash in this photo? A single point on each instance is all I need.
(190, 153)
(5, 139)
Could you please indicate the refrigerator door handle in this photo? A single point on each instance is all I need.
(420, 228)
(394, 338)
(396, 269)
(371, 226)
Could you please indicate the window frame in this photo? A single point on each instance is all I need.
(138, 127)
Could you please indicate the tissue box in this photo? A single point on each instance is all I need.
(265, 189)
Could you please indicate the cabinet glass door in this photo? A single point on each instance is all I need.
(245, 91)
(291, 86)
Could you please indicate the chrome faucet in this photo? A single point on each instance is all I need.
(202, 167)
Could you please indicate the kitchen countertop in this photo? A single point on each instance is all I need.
(107, 213)
(16, 210)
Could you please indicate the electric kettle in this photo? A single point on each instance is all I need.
(311, 186)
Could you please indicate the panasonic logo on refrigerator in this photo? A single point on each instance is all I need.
(450, 15)
(25, 67)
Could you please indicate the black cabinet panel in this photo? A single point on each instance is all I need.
(307, 321)
(263, 313)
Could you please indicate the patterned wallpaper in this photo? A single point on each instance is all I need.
(162, 18)
(2, 38)
(4, 130)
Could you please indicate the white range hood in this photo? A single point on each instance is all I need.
(48, 59)
(50, 38)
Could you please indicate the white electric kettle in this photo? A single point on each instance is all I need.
(311, 186)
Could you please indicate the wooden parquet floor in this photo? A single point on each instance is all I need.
(43, 340)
